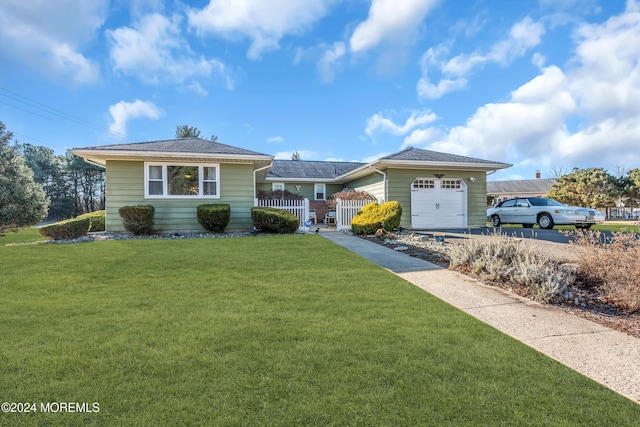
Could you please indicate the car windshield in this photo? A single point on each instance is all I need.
(539, 201)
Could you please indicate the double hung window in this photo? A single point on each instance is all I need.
(163, 180)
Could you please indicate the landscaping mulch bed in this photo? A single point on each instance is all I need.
(585, 302)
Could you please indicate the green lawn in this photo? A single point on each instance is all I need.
(263, 331)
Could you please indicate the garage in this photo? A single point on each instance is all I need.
(438, 203)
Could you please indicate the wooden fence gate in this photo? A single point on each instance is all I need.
(346, 210)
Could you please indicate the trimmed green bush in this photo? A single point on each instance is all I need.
(137, 219)
(373, 216)
(214, 217)
(273, 220)
(97, 220)
(69, 229)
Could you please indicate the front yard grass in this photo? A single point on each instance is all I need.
(274, 330)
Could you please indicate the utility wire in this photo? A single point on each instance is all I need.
(56, 113)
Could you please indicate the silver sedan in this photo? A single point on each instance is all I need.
(529, 211)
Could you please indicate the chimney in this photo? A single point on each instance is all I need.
(537, 174)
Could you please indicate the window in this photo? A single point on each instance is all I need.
(181, 180)
(319, 190)
(154, 183)
(424, 183)
(450, 184)
(277, 186)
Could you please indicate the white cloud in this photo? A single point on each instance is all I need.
(330, 61)
(585, 116)
(264, 22)
(426, 89)
(124, 111)
(523, 36)
(389, 20)
(378, 123)
(530, 124)
(275, 139)
(154, 50)
(420, 137)
(49, 36)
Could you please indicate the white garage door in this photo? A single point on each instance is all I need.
(438, 203)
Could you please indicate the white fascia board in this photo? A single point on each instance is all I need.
(101, 156)
(319, 180)
(410, 164)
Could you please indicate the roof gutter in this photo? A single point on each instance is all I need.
(384, 182)
(255, 191)
(107, 154)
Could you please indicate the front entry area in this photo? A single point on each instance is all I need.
(438, 203)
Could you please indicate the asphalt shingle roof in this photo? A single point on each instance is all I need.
(520, 186)
(185, 145)
(310, 169)
(418, 154)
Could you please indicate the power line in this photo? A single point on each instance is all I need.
(56, 113)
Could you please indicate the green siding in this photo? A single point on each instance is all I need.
(372, 184)
(306, 188)
(125, 186)
(399, 189)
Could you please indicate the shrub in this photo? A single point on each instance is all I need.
(97, 220)
(506, 261)
(349, 195)
(611, 264)
(69, 229)
(373, 216)
(137, 219)
(273, 220)
(214, 217)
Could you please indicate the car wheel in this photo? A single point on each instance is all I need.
(545, 221)
(495, 220)
(527, 225)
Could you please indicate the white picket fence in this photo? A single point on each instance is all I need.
(299, 208)
(346, 210)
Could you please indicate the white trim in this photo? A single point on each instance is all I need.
(435, 186)
(274, 184)
(118, 154)
(324, 191)
(165, 180)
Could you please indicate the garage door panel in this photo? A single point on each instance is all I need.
(438, 203)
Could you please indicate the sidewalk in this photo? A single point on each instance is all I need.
(602, 354)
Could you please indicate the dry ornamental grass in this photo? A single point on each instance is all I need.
(601, 284)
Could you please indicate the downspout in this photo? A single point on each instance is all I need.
(255, 193)
(384, 182)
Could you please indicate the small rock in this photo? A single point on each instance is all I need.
(401, 248)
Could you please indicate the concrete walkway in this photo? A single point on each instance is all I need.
(602, 354)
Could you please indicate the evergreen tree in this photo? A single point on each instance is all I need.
(23, 203)
(585, 187)
(186, 131)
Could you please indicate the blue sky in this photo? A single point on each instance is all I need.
(542, 84)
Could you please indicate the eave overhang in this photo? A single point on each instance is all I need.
(100, 157)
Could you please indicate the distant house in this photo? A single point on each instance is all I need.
(498, 191)
(175, 176)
